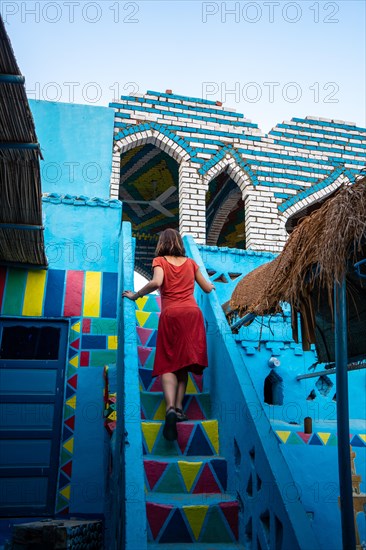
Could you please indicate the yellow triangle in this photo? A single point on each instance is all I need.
(191, 388)
(76, 327)
(160, 413)
(74, 361)
(141, 302)
(195, 516)
(113, 415)
(69, 445)
(212, 431)
(283, 435)
(324, 437)
(150, 431)
(65, 492)
(72, 402)
(142, 317)
(362, 436)
(189, 471)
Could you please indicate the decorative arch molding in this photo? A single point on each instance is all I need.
(141, 134)
(314, 194)
(158, 135)
(227, 159)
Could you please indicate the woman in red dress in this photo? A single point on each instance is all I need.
(181, 342)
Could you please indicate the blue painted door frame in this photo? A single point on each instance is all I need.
(31, 406)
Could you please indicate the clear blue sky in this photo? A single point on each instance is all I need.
(283, 59)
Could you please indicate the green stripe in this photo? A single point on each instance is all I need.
(14, 292)
(103, 357)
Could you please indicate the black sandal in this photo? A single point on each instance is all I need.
(170, 427)
(181, 416)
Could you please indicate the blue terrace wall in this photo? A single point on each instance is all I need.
(311, 459)
(82, 240)
(76, 143)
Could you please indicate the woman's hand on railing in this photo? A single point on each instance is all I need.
(130, 295)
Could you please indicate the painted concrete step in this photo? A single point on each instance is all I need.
(147, 383)
(192, 518)
(188, 475)
(197, 546)
(196, 407)
(199, 437)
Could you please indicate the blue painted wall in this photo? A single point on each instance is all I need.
(314, 467)
(81, 237)
(76, 143)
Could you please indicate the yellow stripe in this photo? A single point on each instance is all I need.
(93, 281)
(34, 292)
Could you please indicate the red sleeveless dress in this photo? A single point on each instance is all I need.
(181, 340)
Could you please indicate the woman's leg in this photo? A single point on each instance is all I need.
(169, 382)
(182, 376)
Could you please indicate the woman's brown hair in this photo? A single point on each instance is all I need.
(170, 244)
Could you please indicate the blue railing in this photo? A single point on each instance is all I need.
(271, 516)
(127, 498)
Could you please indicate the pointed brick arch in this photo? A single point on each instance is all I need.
(232, 164)
(237, 173)
(315, 194)
(143, 134)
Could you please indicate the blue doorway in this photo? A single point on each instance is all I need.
(32, 372)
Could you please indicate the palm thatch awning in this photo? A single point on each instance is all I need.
(322, 249)
(21, 233)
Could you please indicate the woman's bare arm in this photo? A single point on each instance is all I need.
(152, 285)
(206, 286)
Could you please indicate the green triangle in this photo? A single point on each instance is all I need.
(151, 304)
(332, 441)
(68, 411)
(215, 529)
(65, 456)
(71, 370)
(150, 403)
(74, 335)
(150, 361)
(170, 482)
(163, 447)
(152, 321)
(204, 400)
(61, 503)
(294, 439)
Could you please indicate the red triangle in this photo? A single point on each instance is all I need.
(193, 411)
(67, 468)
(144, 334)
(231, 512)
(158, 301)
(154, 470)
(73, 381)
(157, 385)
(206, 482)
(143, 417)
(143, 354)
(198, 381)
(156, 516)
(305, 437)
(75, 344)
(184, 433)
(70, 422)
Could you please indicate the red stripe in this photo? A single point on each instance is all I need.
(74, 293)
(2, 284)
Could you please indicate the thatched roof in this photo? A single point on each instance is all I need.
(322, 249)
(21, 234)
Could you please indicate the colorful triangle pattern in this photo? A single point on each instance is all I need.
(188, 466)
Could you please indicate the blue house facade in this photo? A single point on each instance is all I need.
(233, 193)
